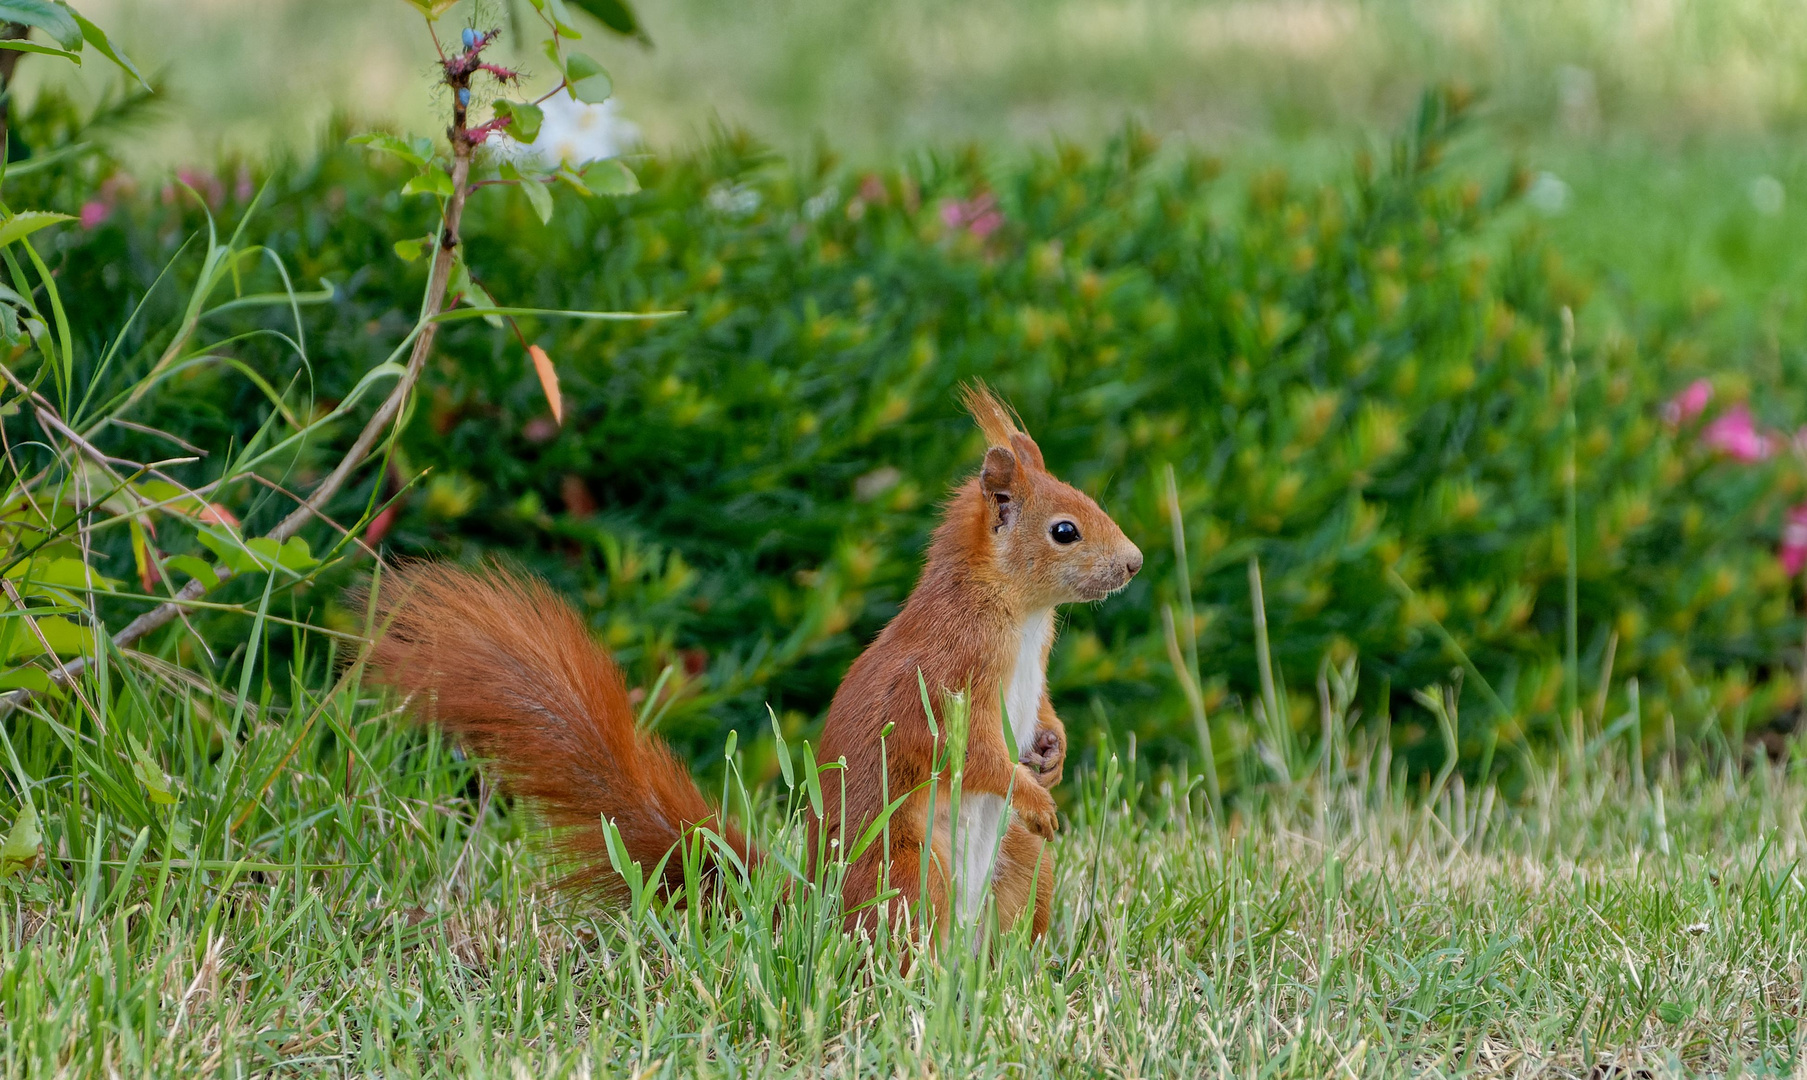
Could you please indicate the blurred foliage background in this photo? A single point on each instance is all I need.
(1639, 110)
(879, 77)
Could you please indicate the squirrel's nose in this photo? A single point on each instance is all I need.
(1134, 563)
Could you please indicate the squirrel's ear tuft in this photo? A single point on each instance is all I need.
(999, 482)
(992, 417)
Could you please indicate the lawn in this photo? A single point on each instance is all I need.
(366, 918)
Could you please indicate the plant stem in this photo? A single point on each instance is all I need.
(1195, 701)
(1264, 662)
(1185, 665)
(1571, 622)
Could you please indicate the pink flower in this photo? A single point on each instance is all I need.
(206, 185)
(1735, 435)
(1688, 404)
(1794, 540)
(985, 224)
(978, 215)
(94, 211)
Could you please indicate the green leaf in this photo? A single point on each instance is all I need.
(53, 19)
(231, 555)
(19, 226)
(65, 638)
(617, 16)
(295, 555)
(928, 710)
(573, 180)
(1010, 746)
(536, 193)
(385, 143)
(432, 9)
(876, 826)
(21, 45)
(611, 178)
(195, 567)
(589, 83)
(432, 181)
(151, 775)
(264, 553)
(523, 119)
(812, 780)
(258, 554)
(24, 842)
(66, 572)
(103, 44)
(480, 303)
(26, 678)
(411, 250)
(561, 17)
(784, 751)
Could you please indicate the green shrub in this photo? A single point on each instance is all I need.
(1347, 379)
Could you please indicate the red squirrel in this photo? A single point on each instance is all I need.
(502, 663)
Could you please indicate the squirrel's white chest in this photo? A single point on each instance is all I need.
(982, 815)
(1028, 677)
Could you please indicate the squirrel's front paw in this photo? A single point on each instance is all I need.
(1035, 807)
(1045, 755)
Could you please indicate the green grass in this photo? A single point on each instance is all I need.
(365, 917)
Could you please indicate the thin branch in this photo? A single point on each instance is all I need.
(51, 422)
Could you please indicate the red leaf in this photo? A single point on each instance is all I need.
(381, 524)
(215, 514)
(542, 366)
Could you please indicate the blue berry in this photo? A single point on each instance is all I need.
(470, 38)
(464, 97)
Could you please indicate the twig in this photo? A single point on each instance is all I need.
(51, 422)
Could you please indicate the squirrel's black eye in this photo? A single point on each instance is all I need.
(1064, 532)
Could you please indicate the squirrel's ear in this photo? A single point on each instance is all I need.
(998, 480)
(1027, 450)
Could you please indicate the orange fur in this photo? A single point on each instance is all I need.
(991, 566)
(508, 667)
(504, 664)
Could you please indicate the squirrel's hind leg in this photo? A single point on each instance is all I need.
(902, 876)
(1024, 880)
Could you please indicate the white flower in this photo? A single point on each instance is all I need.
(820, 204)
(575, 134)
(1768, 196)
(733, 200)
(1548, 193)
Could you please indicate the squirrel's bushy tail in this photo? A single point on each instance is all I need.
(505, 665)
